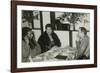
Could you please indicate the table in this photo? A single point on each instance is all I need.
(51, 55)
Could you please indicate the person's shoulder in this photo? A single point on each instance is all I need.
(23, 43)
(43, 34)
(86, 38)
(54, 33)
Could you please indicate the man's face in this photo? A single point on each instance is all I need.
(49, 30)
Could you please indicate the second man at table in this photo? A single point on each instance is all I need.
(48, 39)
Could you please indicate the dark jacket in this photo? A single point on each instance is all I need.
(44, 41)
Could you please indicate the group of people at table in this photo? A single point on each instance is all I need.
(49, 39)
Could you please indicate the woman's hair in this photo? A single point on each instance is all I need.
(25, 31)
(83, 29)
(32, 43)
(48, 25)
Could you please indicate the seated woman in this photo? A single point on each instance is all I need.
(48, 39)
(82, 44)
(29, 46)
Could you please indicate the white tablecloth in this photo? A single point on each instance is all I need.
(50, 55)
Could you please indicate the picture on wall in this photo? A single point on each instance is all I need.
(53, 36)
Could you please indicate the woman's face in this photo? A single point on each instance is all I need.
(24, 23)
(30, 35)
(49, 30)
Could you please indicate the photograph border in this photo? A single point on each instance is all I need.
(14, 35)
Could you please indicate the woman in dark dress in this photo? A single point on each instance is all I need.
(48, 39)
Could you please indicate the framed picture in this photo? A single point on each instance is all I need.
(52, 36)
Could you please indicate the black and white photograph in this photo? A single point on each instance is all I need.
(55, 36)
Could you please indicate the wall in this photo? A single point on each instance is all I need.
(64, 37)
(46, 19)
(5, 37)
